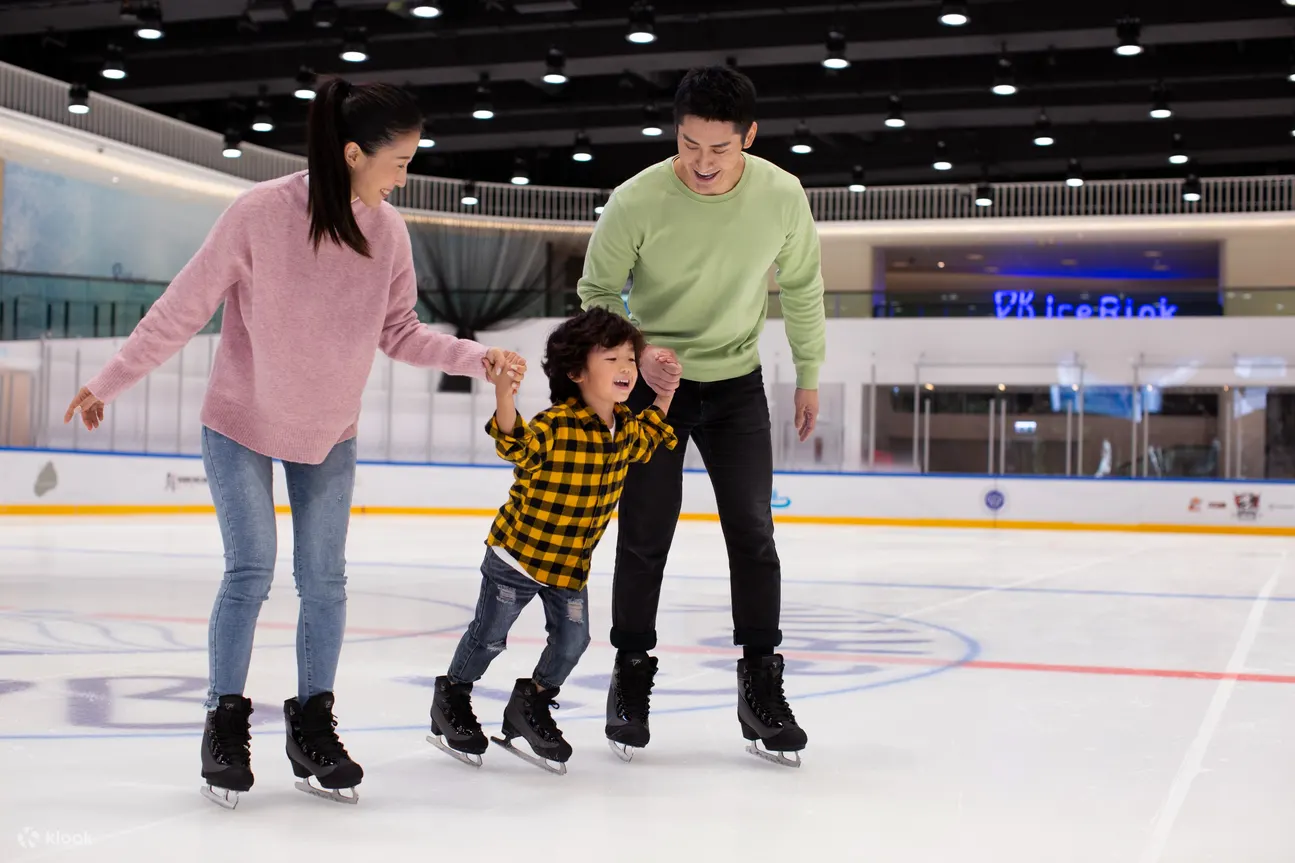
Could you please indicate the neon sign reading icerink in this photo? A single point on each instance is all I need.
(1024, 304)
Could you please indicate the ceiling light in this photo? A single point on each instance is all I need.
(469, 197)
(984, 195)
(1160, 109)
(484, 108)
(355, 49)
(114, 66)
(857, 184)
(262, 122)
(1075, 175)
(521, 176)
(425, 10)
(801, 142)
(942, 162)
(1129, 33)
(324, 13)
(895, 120)
(426, 141)
(1178, 153)
(642, 30)
(78, 99)
(953, 14)
(652, 122)
(556, 68)
(306, 82)
(1043, 131)
(1005, 77)
(835, 58)
(149, 22)
(233, 146)
(582, 152)
(1192, 191)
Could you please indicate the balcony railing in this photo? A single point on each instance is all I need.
(47, 98)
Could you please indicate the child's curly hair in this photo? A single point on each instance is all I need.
(567, 352)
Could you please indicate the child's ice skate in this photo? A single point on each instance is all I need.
(455, 729)
(527, 716)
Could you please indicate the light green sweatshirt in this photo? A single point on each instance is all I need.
(699, 266)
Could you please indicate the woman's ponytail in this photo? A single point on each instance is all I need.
(329, 205)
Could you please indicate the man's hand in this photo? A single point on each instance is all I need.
(660, 369)
(502, 365)
(806, 412)
(90, 407)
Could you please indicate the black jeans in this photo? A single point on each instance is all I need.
(729, 422)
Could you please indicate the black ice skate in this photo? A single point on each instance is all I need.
(315, 750)
(227, 751)
(527, 716)
(627, 703)
(455, 729)
(764, 714)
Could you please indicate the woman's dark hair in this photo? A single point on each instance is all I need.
(716, 93)
(567, 352)
(372, 116)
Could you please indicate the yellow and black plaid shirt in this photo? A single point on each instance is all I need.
(568, 479)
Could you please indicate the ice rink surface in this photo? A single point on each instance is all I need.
(969, 696)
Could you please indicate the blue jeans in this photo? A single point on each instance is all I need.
(504, 593)
(241, 483)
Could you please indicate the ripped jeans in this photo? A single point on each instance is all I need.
(504, 593)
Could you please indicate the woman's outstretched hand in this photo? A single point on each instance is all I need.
(89, 405)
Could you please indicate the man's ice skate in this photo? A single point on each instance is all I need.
(764, 714)
(316, 752)
(527, 716)
(455, 729)
(227, 751)
(627, 703)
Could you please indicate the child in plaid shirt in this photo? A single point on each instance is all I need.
(570, 462)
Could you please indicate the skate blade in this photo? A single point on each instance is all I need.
(542, 763)
(222, 797)
(623, 752)
(334, 794)
(466, 757)
(775, 757)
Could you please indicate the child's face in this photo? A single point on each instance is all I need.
(609, 374)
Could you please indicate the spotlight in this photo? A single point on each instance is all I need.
(324, 13)
(306, 82)
(1129, 33)
(1160, 109)
(556, 68)
(149, 22)
(984, 195)
(469, 197)
(1005, 77)
(262, 122)
(642, 30)
(835, 58)
(233, 146)
(1178, 153)
(426, 141)
(78, 99)
(425, 10)
(582, 152)
(1192, 191)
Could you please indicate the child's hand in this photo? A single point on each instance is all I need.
(661, 369)
(506, 369)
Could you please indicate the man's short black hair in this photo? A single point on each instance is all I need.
(567, 352)
(716, 93)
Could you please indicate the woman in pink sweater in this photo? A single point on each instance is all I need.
(316, 273)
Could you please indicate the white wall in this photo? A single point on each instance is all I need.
(33, 483)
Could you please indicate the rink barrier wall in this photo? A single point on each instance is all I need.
(65, 483)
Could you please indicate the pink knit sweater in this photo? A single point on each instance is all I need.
(300, 329)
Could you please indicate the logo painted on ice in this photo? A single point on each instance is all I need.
(778, 501)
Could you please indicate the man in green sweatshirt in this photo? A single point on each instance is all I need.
(694, 237)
